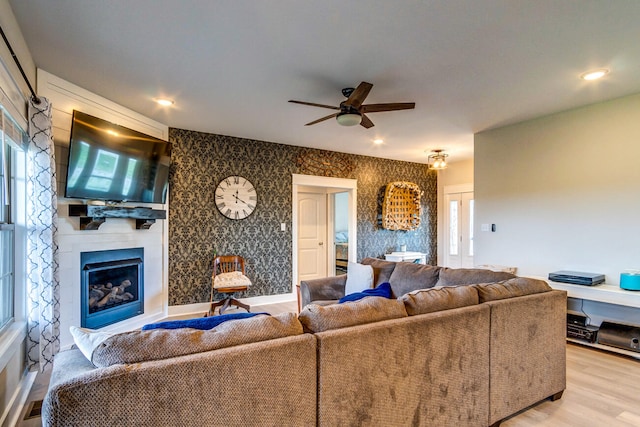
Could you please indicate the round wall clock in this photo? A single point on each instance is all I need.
(236, 198)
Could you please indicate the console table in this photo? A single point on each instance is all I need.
(417, 257)
(610, 294)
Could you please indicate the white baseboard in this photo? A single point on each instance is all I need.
(14, 410)
(203, 307)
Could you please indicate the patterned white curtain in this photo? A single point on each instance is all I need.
(43, 286)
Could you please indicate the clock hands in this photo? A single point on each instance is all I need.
(238, 199)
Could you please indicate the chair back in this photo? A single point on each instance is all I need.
(227, 264)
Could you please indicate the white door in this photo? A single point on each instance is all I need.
(312, 236)
(459, 211)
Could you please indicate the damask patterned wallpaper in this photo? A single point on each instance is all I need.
(197, 230)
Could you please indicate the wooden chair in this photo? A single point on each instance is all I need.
(228, 277)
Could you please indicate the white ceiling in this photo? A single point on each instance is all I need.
(232, 65)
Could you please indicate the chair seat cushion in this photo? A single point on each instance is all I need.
(234, 279)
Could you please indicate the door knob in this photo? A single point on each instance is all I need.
(320, 244)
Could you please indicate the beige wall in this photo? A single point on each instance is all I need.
(563, 191)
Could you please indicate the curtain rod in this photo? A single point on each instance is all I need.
(34, 97)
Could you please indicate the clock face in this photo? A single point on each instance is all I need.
(236, 197)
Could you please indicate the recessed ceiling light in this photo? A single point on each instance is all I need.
(378, 141)
(164, 102)
(594, 74)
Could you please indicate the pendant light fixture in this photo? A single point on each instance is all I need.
(437, 160)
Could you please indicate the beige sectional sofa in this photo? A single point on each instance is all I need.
(446, 355)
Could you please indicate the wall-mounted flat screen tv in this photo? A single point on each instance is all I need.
(113, 163)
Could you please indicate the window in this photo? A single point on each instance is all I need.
(453, 227)
(12, 138)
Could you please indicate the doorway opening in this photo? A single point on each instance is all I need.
(323, 227)
(459, 224)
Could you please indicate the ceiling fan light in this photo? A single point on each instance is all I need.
(349, 119)
(594, 74)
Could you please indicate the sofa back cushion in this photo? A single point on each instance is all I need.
(511, 288)
(316, 318)
(470, 276)
(425, 301)
(381, 269)
(140, 346)
(407, 277)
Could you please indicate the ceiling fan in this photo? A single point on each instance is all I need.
(351, 112)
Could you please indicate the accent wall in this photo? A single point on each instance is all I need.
(197, 230)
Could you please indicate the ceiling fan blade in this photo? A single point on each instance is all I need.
(322, 119)
(394, 106)
(358, 96)
(366, 122)
(313, 104)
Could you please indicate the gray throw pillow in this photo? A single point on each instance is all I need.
(407, 277)
(425, 301)
(381, 269)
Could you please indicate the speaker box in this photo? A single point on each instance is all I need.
(620, 335)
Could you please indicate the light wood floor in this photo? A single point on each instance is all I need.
(603, 389)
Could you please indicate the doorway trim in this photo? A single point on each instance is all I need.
(447, 190)
(334, 185)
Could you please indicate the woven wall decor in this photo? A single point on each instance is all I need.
(401, 206)
(324, 163)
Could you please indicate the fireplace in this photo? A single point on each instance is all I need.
(112, 286)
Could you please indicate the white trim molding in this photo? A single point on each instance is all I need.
(348, 185)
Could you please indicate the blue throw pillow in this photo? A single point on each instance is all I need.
(202, 323)
(382, 290)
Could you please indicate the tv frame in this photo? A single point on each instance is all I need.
(113, 134)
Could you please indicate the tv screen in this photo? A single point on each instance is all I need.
(113, 163)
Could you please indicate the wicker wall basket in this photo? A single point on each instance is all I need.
(401, 206)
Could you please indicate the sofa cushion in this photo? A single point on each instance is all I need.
(381, 269)
(407, 277)
(470, 276)
(516, 287)
(316, 318)
(202, 323)
(425, 301)
(359, 278)
(140, 346)
(382, 290)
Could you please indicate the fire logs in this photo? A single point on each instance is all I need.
(107, 294)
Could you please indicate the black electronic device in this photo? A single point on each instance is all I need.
(577, 277)
(587, 333)
(620, 335)
(576, 318)
(113, 163)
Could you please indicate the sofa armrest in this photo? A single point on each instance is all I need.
(326, 288)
